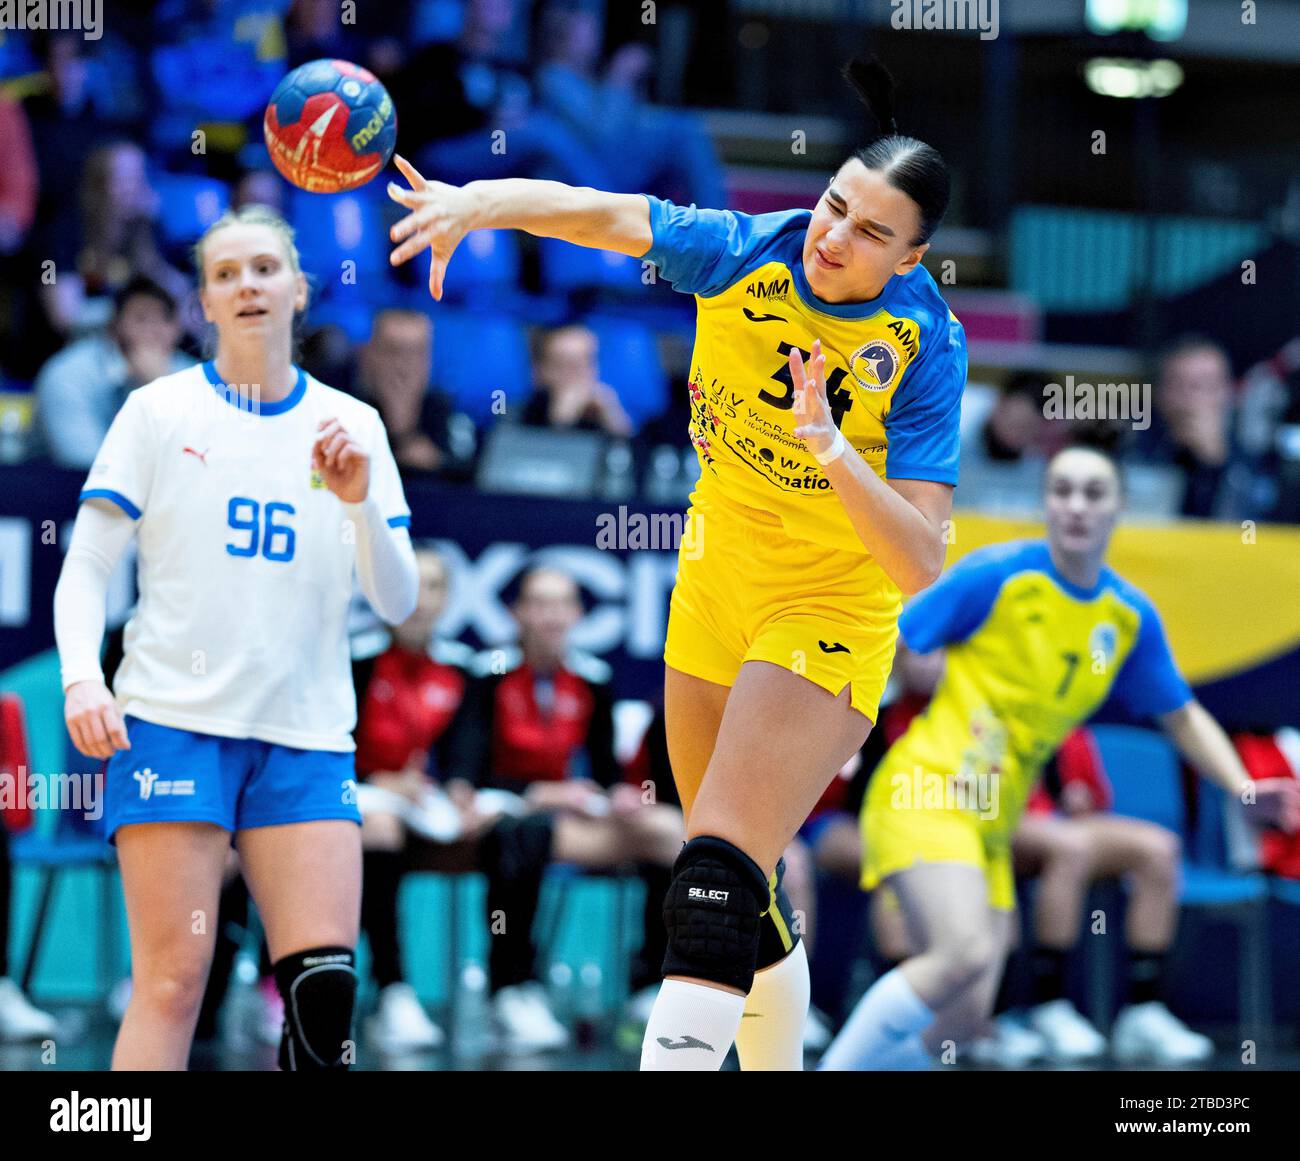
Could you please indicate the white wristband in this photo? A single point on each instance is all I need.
(838, 447)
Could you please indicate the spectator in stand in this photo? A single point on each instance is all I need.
(1269, 431)
(667, 150)
(454, 96)
(18, 177)
(1015, 429)
(1069, 839)
(119, 210)
(1193, 429)
(539, 725)
(262, 187)
(424, 430)
(19, 1018)
(568, 392)
(66, 126)
(79, 391)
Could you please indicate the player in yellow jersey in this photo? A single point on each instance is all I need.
(825, 393)
(1038, 634)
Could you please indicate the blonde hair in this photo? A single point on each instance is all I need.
(253, 215)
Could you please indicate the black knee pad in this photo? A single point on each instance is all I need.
(319, 988)
(712, 913)
(776, 932)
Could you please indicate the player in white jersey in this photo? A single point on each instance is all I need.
(255, 492)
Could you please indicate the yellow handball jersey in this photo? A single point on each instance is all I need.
(895, 367)
(1028, 656)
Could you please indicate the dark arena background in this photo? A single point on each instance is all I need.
(1121, 248)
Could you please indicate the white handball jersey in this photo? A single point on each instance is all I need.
(246, 559)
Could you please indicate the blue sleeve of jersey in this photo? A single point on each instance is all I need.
(1149, 683)
(952, 608)
(705, 251)
(924, 421)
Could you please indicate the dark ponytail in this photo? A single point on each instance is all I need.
(907, 164)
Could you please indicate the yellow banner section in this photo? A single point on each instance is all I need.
(1229, 597)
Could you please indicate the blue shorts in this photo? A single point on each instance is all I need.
(171, 775)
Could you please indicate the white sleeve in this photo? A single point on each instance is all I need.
(386, 564)
(124, 466)
(99, 537)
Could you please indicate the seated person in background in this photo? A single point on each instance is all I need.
(407, 698)
(79, 391)
(396, 366)
(1016, 428)
(643, 147)
(536, 715)
(18, 176)
(1070, 839)
(19, 1018)
(568, 392)
(1193, 429)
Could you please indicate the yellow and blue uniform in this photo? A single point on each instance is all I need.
(1028, 656)
(771, 568)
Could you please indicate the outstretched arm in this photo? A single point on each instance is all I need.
(1201, 740)
(441, 215)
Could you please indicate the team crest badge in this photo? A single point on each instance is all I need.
(1102, 641)
(875, 364)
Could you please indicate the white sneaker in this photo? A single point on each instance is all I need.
(1069, 1037)
(1150, 1032)
(19, 1018)
(526, 1021)
(401, 1024)
(641, 1004)
(1011, 1043)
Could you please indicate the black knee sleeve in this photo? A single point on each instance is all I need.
(776, 933)
(712, 913)
(319, 987)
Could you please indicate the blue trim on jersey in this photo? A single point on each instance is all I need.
(254, 406)
(399, 522)
(108, 494)
(955, 607)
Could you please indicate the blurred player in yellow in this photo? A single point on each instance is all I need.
(825, 395)
(1037, 635)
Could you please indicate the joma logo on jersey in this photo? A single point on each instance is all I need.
(707, 896)
(777, 288)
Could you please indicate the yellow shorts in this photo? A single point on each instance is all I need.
(894, 840)
(747, 591)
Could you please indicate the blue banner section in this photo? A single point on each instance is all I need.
(624, 557)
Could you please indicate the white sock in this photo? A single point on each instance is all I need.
(771, 1033)
(691, 1028)
(890, 1013)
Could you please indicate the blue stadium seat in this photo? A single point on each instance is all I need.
(189, 204)
(566, 268)
(484, 269)
(629, 362)
(476, 353)
(1143, 772)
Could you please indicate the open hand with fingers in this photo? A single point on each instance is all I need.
(342, 463)
(814, 423)
(441, 215)
(94, 721)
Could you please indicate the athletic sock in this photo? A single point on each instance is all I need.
(889, 1014)
(1146, 970)
(691, 1028)
(1048, 967)
(381, 879)
(770, 1038)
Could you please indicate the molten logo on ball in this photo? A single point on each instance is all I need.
(330, 126)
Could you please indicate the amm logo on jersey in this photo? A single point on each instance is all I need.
(778, 288)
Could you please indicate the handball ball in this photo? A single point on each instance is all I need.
(330, 126)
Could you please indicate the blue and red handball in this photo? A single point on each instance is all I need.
(330, 126)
